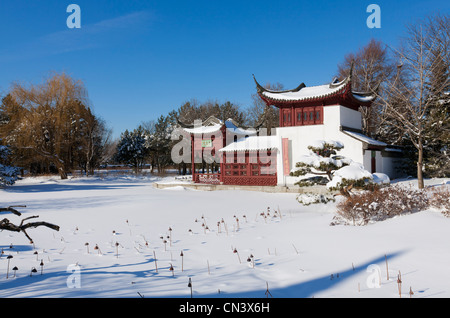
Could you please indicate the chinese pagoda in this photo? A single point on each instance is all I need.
(306, 114)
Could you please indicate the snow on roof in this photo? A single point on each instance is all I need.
(305, 93)
(364, 98)
(204, 129)
(365, 138)
(215, 127)
(232, 128)
(252, 143)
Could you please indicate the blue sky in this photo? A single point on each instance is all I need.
(141, 59)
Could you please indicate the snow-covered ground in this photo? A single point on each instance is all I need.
(296, 255)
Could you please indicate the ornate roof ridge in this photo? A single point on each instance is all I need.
(263, 89)
(302, 93)
(210, 121)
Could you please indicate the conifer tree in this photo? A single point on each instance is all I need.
(330, 169)
(321, 161)
(8, 173)
(132, 148)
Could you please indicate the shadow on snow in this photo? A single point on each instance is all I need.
(305, 289)
(69, 186)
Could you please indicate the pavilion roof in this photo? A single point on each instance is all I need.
(213, 124)
(302, 93)
(253, 143)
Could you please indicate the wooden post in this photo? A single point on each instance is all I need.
(156, 265)
(387, 270)
(192, 157)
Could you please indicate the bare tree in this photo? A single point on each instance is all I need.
(409, 101)
(94, 140)
(49, 120)
(371, 68)
(259, 112)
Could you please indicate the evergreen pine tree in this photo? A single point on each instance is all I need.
(132, 148)
(8, 173)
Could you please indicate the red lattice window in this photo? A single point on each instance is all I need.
(305, 116)
(254, 165)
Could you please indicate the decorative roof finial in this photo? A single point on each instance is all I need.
(259, 88)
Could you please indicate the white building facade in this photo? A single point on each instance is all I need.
(326, 112)
(245, 156)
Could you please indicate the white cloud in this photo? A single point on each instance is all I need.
(99, 34)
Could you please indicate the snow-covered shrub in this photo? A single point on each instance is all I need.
(321, 160)
(440, 199)
(353, 174)
(312, 181)
(333, 170)
(380, 204)
(8, 173)
(312, 198)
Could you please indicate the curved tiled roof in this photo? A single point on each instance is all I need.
(302, 93)
(253, 143)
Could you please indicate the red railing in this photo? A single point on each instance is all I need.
(209, 178)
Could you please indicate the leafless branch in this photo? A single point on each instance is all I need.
(5, 224)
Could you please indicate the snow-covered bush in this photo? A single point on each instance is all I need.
(321, 160)
(8, 173)
(380, 204)
(440, 199)
(353, 174)
(312, 181)
(312, 198)
(333, 170)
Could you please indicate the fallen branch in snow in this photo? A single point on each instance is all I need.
(12, 210)
(5, 224)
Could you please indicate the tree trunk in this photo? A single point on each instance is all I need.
(420, 182)
(62, 173)
(88, 168)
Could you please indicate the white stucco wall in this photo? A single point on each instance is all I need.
(367, 159)
(349, 117)
(301, 136)
(379, 162)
